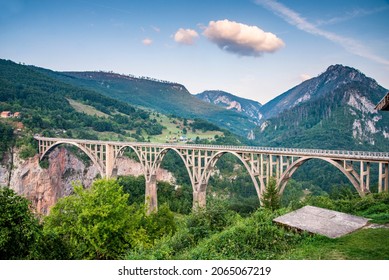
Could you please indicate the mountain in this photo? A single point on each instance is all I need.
(334, 77)
(51, 107)
(161, 96)
(250, 108)
(334, 110)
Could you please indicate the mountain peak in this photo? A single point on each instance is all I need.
(345, 74)
(335, 77)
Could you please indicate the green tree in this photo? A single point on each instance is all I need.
(19, 228)
(96, 223)
(271, 198)
(6, 138)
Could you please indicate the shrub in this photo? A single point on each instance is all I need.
(19, 228)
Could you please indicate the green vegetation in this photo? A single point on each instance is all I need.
(6, 139)
(109, 221)
(373, 206)
(175, 127)
(53, 108)
(365, 244)
(164, 97)
(99, 224)
(271, 198)
(19, 228)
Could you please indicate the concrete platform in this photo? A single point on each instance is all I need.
(322, 221)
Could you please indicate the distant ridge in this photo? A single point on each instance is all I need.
(250, 108)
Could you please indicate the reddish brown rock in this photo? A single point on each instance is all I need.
(45, 186)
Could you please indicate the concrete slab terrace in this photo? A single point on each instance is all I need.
(322, 221)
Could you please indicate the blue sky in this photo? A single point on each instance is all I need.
(256, 49)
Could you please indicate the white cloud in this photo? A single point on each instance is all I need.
(186, 36)
(304, 77)
(147, 42)
(241, 39)
(293, 18)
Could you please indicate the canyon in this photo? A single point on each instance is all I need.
(44, 186)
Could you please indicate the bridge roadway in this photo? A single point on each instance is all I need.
(199, 160)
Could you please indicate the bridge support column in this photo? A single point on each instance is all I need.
(364, 178)
(151, 194)
(109, 160)
(199, 197)
(383, 179)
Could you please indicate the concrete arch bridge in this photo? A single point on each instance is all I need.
(200, 160)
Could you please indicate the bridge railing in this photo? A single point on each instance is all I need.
(276, 150)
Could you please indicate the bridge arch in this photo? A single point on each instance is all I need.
(258, 184)
(283, 180)
(121, 151)
(85, 150)
(161, 156)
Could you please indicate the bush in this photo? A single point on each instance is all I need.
(98, 223)
(19, 228)
(27, 151)
(256, 237)
(203, 222)
(95, 223)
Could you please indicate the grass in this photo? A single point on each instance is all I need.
(86, 109)
(365, 244)
(173, 129)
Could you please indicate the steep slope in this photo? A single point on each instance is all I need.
(334, 110)
(161, 96)
(250, 108)
(312, 89)
(48, 106)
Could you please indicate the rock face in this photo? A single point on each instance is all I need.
(250, 108)
(43, 187)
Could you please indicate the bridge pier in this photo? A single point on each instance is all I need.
(151, 194)
(199, 196)
(109, 160)
(383, 179)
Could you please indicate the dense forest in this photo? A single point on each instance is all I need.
(44, 104)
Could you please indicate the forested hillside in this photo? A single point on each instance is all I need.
(332, 111)
(164, 97)
(45, 106)
(54, 108)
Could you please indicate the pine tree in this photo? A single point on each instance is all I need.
(271, 197)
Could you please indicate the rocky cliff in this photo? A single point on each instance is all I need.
(43, 187)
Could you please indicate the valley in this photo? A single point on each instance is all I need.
(334, 110)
